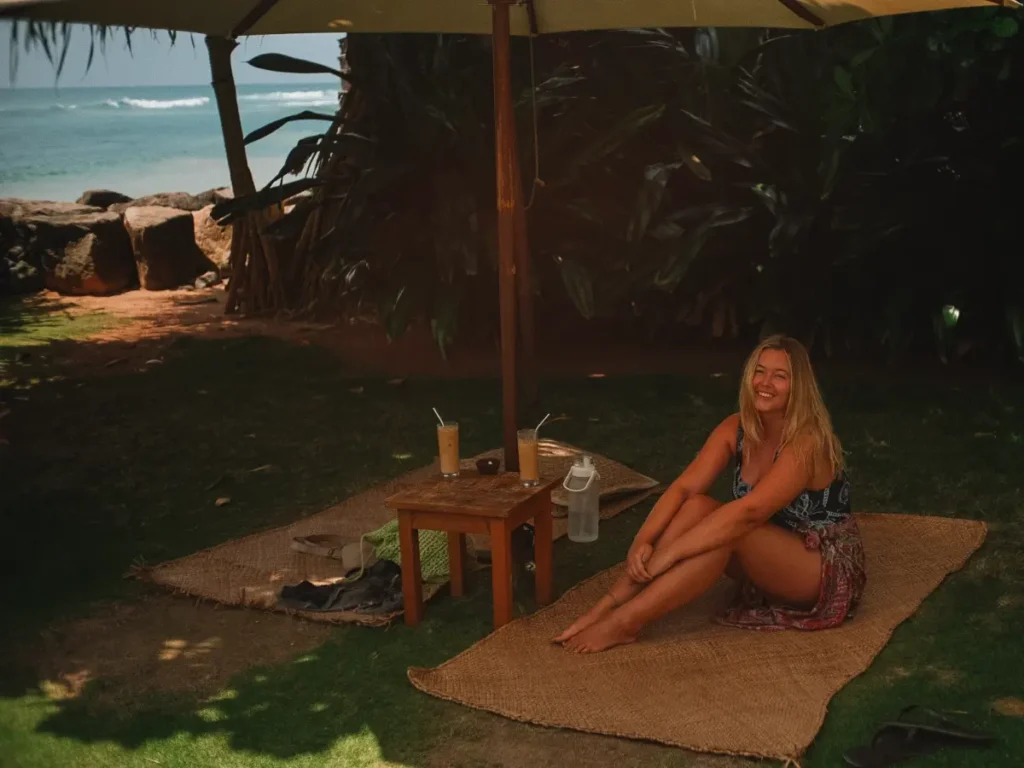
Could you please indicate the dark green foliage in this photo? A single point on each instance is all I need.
(844, 186)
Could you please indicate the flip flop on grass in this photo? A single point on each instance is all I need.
(906, 737)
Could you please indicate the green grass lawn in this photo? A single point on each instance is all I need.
(38, 322)
(108, 471)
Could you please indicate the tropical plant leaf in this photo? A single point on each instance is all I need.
(862, 57)
(279, 62)
(399, 313)
(681, 256)
(777, 121)
(648, 201)
(231, 210)
(297, 158)
(269, 128)
(844, 80)
(696, 165)
(768, 195)
(445, 321)
(614, 137)
(785, 233)
(1015, 322)
(706, 43)
(725, 216)
(667, 230)
(579, 284)
(358, 150)
(586, 210)
(379, 179)
(1005, 27)
(827, 171)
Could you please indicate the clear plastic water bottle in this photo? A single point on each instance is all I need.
(583, 484)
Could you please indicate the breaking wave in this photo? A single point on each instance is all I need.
(295, 98)
(195, 101)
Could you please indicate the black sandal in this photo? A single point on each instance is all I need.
(901, 739)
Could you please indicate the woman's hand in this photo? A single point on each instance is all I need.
(636, 562)
(658, 563)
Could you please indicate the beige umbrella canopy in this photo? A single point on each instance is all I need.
(228, 18)
(224, 20)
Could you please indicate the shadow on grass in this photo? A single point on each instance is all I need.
(348, 699)
(351, 686)
(113, 470)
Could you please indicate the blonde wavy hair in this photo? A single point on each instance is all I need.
(808, 426)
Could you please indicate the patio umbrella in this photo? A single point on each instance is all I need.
(229, 18)
(224, 20)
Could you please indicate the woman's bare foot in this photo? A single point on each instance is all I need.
(601, 608)
(605, 634)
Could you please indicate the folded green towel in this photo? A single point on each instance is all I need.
(433, 550)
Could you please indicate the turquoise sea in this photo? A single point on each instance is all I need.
(55, 143)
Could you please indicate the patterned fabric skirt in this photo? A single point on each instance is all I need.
(842, 584)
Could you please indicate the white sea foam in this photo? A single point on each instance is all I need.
(317, 103)
(295, 98)
(195, 101)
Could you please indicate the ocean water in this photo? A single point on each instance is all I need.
(54, 144)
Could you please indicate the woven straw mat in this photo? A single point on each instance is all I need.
(251, 571)
(692, 683)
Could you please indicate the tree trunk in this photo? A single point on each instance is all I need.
(254, 261)
(220, 50)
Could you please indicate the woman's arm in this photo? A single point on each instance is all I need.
(787, 478)
(697, 478)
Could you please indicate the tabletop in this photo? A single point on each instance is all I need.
(470, 494)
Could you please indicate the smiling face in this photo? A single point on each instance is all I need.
(779, 384)
(771, 381)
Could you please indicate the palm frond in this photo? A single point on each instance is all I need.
(54, 38)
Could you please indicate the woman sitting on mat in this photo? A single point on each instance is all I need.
(787, 535)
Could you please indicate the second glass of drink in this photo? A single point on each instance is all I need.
(528, 470)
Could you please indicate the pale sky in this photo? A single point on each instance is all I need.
(156, 62)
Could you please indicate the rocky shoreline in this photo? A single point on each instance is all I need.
(106, 243)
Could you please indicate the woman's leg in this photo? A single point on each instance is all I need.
(774, 559)
(624, 589)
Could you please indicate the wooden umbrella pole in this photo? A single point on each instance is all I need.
(524, 287)
(506, 189)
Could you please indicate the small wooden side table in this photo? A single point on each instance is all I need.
(474, 503)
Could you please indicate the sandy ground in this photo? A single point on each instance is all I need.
(149, 319)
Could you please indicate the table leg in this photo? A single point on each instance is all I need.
(412, 593)
(501, 571)
(542, 550)
(456, 569)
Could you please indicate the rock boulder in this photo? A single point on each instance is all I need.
(180, 201)
(164, 245)
(84, 254)
(215, 196)
(213, 239)
(102, 198)
(13, 209)
(71, 248)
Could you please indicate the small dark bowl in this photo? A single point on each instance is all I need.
(487, 466)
